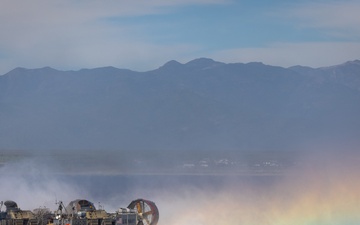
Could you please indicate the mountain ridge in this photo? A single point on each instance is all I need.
(199, 105)
(174, 62)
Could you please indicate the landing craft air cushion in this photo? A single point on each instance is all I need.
(81, 212)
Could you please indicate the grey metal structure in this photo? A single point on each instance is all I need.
(81, 212)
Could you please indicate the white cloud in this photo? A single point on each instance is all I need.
(314, 54)
(67, 11)
(338, 18)
(65, 34)
(331, 19)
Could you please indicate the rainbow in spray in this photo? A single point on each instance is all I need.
(317, 195)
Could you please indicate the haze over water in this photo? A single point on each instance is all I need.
(323, 190)
(113, 134)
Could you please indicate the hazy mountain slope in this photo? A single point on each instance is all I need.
(201, 105)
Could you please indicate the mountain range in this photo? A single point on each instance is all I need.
(202, 105)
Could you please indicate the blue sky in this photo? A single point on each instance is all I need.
(142, 35)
